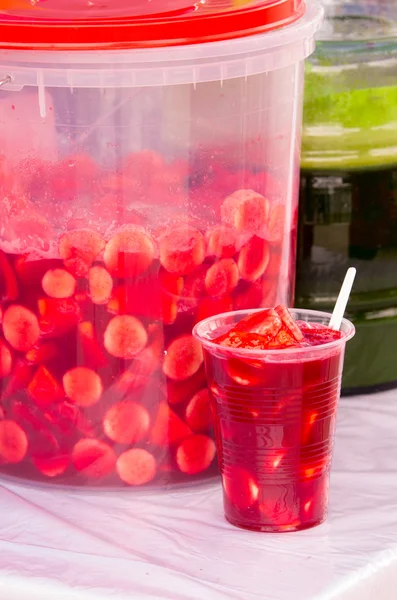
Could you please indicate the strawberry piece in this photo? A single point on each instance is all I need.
(79, 249)
(283, 339)
(126, 422)
(2, 414)
(289, 322)
(195, 454)
(93, 355)
(20, 327)
(129, 253)
(58, 315)
(8, 282)
(240, 488)
(221, 242)
(31, 272)
(93, 458)
(182, 249)
(82, 386)
(209, 307)
(101, 284)
(84, 302)
(198, 412)
(44, 389)
(168, 428)
(246, 373)
(253, 258)
(42, 353)
(41, 441)
(183, 358)
(144, 365)
(136, 466)
(276, 223)
(51, 466)
(265, 322)
(246, 210)
(13, 441)
(171, 283)
(179, 391)
(169, 310)
(19, 378)
(58, 283)
(222, 277)
(66, 418)
(240, 339)
(5, 359)
(125, 337)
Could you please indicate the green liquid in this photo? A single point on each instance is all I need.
(350, 128)
(348, 217)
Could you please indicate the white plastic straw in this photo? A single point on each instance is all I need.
(342, 300)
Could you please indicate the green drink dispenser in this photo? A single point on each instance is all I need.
(348, 186)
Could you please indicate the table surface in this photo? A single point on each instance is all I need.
(65, 545)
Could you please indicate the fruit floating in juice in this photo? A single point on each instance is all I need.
(101, 380)
(274, 384)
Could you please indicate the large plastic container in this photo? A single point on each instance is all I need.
(149, 179)
(349, 182)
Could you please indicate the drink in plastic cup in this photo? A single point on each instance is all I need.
(274, 415)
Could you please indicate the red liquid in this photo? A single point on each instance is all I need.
(101, 382)
(275, 424)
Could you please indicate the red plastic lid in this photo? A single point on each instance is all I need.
(117, 24)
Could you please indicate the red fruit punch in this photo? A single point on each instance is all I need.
(102, 382)
(274, 415)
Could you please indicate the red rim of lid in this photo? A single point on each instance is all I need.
(86, 24)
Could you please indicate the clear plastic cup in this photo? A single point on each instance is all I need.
(274, 414)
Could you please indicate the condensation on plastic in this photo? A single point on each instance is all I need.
(82, 546)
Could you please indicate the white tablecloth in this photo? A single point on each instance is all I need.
(176, 546)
